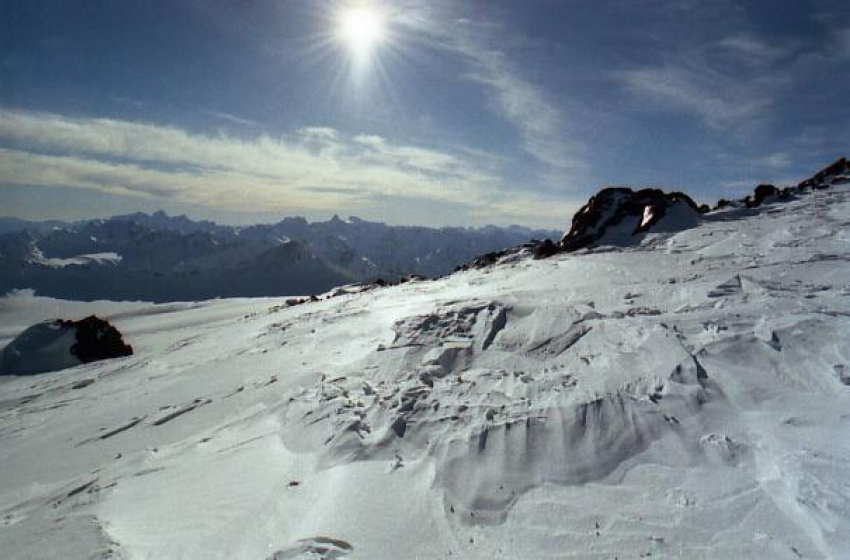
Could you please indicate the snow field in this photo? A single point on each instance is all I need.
(687, 397)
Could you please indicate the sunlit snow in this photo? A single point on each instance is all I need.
(685, 398)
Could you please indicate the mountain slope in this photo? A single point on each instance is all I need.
(685, 397)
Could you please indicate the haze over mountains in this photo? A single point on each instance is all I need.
(170, 258)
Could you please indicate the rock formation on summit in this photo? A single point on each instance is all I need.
(615, 213)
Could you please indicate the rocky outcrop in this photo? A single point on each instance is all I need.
(97, 339)
(763, 192)
(622, 208)
(60, 344)
(618, 216)
(535, 248)
(835, 174)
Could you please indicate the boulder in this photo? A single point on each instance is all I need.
(762, 193)
(60, 344)
(545, 249)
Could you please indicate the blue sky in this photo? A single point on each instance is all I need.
(467, 112)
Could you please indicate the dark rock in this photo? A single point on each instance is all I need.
(484, 260)
(61, 344)
(97, 340)
(399, 426)
(537, 249)
(834, 173)
(610, 206)
(545, 249)
(761, 193)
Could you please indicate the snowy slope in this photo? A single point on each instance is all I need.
(684, 398)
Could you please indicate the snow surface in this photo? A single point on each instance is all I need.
(41, 348)
(685, 398)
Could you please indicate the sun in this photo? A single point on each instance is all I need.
(362, 28)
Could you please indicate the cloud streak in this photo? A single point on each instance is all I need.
(720, 101)
(311, 170)
(540, 123)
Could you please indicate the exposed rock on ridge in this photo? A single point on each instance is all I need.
(618, 206)
(617, 215)
(835, 174)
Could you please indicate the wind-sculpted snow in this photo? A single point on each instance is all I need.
(495, 433)
(683, 398)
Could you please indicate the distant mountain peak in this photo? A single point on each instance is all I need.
(158, 257)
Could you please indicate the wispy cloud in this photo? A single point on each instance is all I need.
(717, 99)
(776, 160)
(310, 170)
(231, 118)
(542, 126)
(708, 61)
(539, 122)
(842, 41)
(753, 50)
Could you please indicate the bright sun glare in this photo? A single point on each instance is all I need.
(361, 28)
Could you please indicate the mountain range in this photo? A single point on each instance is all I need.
(157, 257)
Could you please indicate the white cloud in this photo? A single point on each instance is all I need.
(311, 170)
(318, 132)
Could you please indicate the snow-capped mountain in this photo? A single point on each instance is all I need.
(682, 396)
(162, 258)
